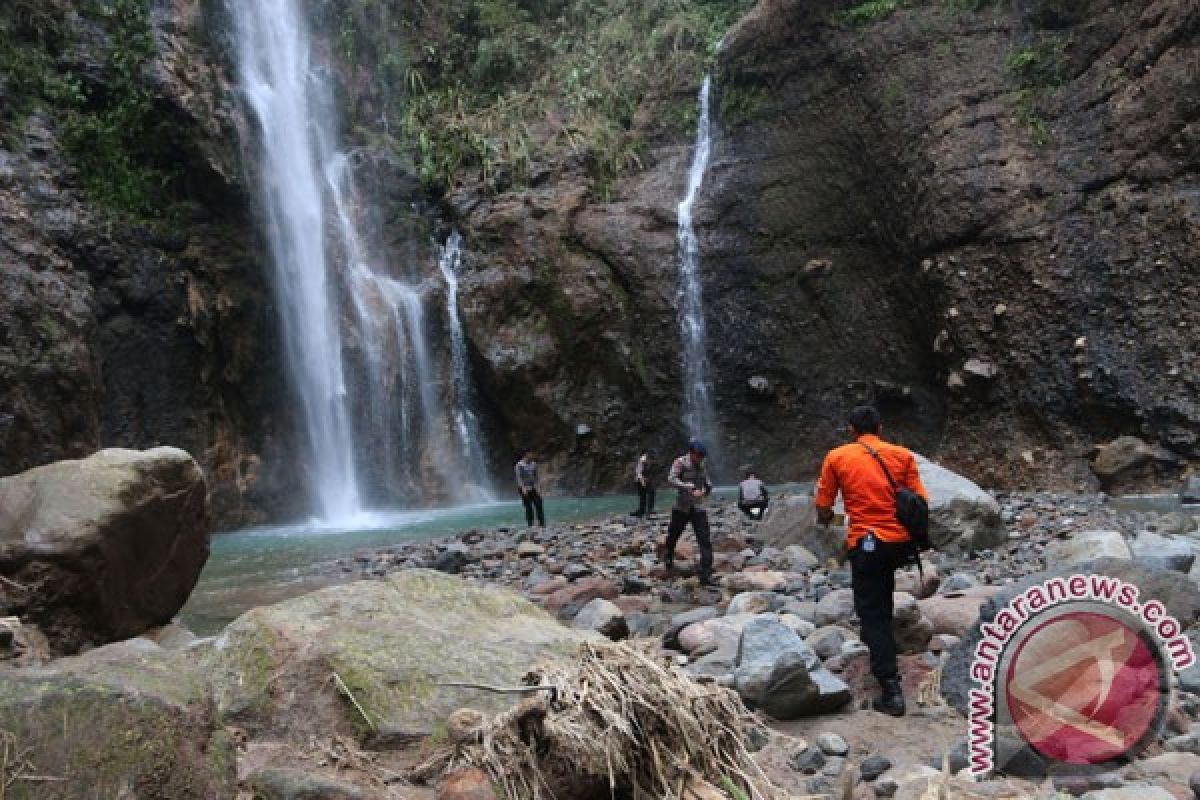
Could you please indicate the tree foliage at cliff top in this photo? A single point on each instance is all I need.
(491, 89)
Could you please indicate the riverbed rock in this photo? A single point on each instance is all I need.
(1087, 545)
(282, 783)
(835, 607)
(574, 596)
(793, 521)
(121, 716)
(954, 613)
(603, 617)
(1190, 493)
(392, 643)
(963, 518)
(912, 629)
(103, 548)
(780, 674)
(1177, 553)
(1120, 462)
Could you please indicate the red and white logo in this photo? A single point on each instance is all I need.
(1084, 687)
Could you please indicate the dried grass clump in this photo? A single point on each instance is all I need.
(617, 723)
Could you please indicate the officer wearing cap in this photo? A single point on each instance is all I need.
(690, 480)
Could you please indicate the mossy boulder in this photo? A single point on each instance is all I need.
(126, 720)
(104, 548)
(391, 643)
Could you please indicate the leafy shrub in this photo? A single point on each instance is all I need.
(868, 12)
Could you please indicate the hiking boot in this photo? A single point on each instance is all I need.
(707, 580)
(891, 701)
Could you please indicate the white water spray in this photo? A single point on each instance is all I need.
(419, 441)
(466, 423)
(291, 106)
(699, 416)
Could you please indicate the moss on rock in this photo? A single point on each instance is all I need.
(392, 643)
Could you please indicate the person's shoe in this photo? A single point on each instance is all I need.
(891, 701)
(707, 580)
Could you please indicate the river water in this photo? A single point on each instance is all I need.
(258, 566)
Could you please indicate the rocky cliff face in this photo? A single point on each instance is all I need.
(981, 216)
(132, 305)
(982, 220)
(985, 221)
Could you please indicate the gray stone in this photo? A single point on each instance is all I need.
(1175, 563)
(827, 641)
(452, 559)
(793, 521)
(754, 603)
(832, 692)
(293, 784)
(832, 744)
(684, 619)
(1085, 546)
(1185, 743)
(1139, 792)
(963, 518)
(802, 627)
(912, 629)
(874, 766)
(836, 606)
(1190, 493)
(1175, 523)
(103, 548)
(800, 558)
(808, 761)
(1116, 461)
(958, 582)
(778, 673)
(603, 617)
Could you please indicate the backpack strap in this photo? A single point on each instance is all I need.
(895, 489)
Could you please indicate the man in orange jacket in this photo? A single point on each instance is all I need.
(877, 543)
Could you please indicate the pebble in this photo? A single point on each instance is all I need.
(832, 744)
(874, 766)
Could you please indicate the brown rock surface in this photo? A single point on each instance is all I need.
(104, 548)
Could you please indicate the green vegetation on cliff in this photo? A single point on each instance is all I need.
(98, 96)
(497, 89)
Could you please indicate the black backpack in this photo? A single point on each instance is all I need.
(911, 509)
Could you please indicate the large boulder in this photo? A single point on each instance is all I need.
(103, 548)
(777, 672)
(1124, 462)
(793, 521)
(125, 720)
(963, 518)
(1173, 589)
(394, 644)
(1086, 546)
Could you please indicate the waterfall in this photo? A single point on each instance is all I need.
(291, 108)
(699, 415)
(466, 424)
(419, 441)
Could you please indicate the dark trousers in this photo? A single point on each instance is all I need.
(645, 499)
(533, 502)
(873, 579)
(699, 519)
(754, 510)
